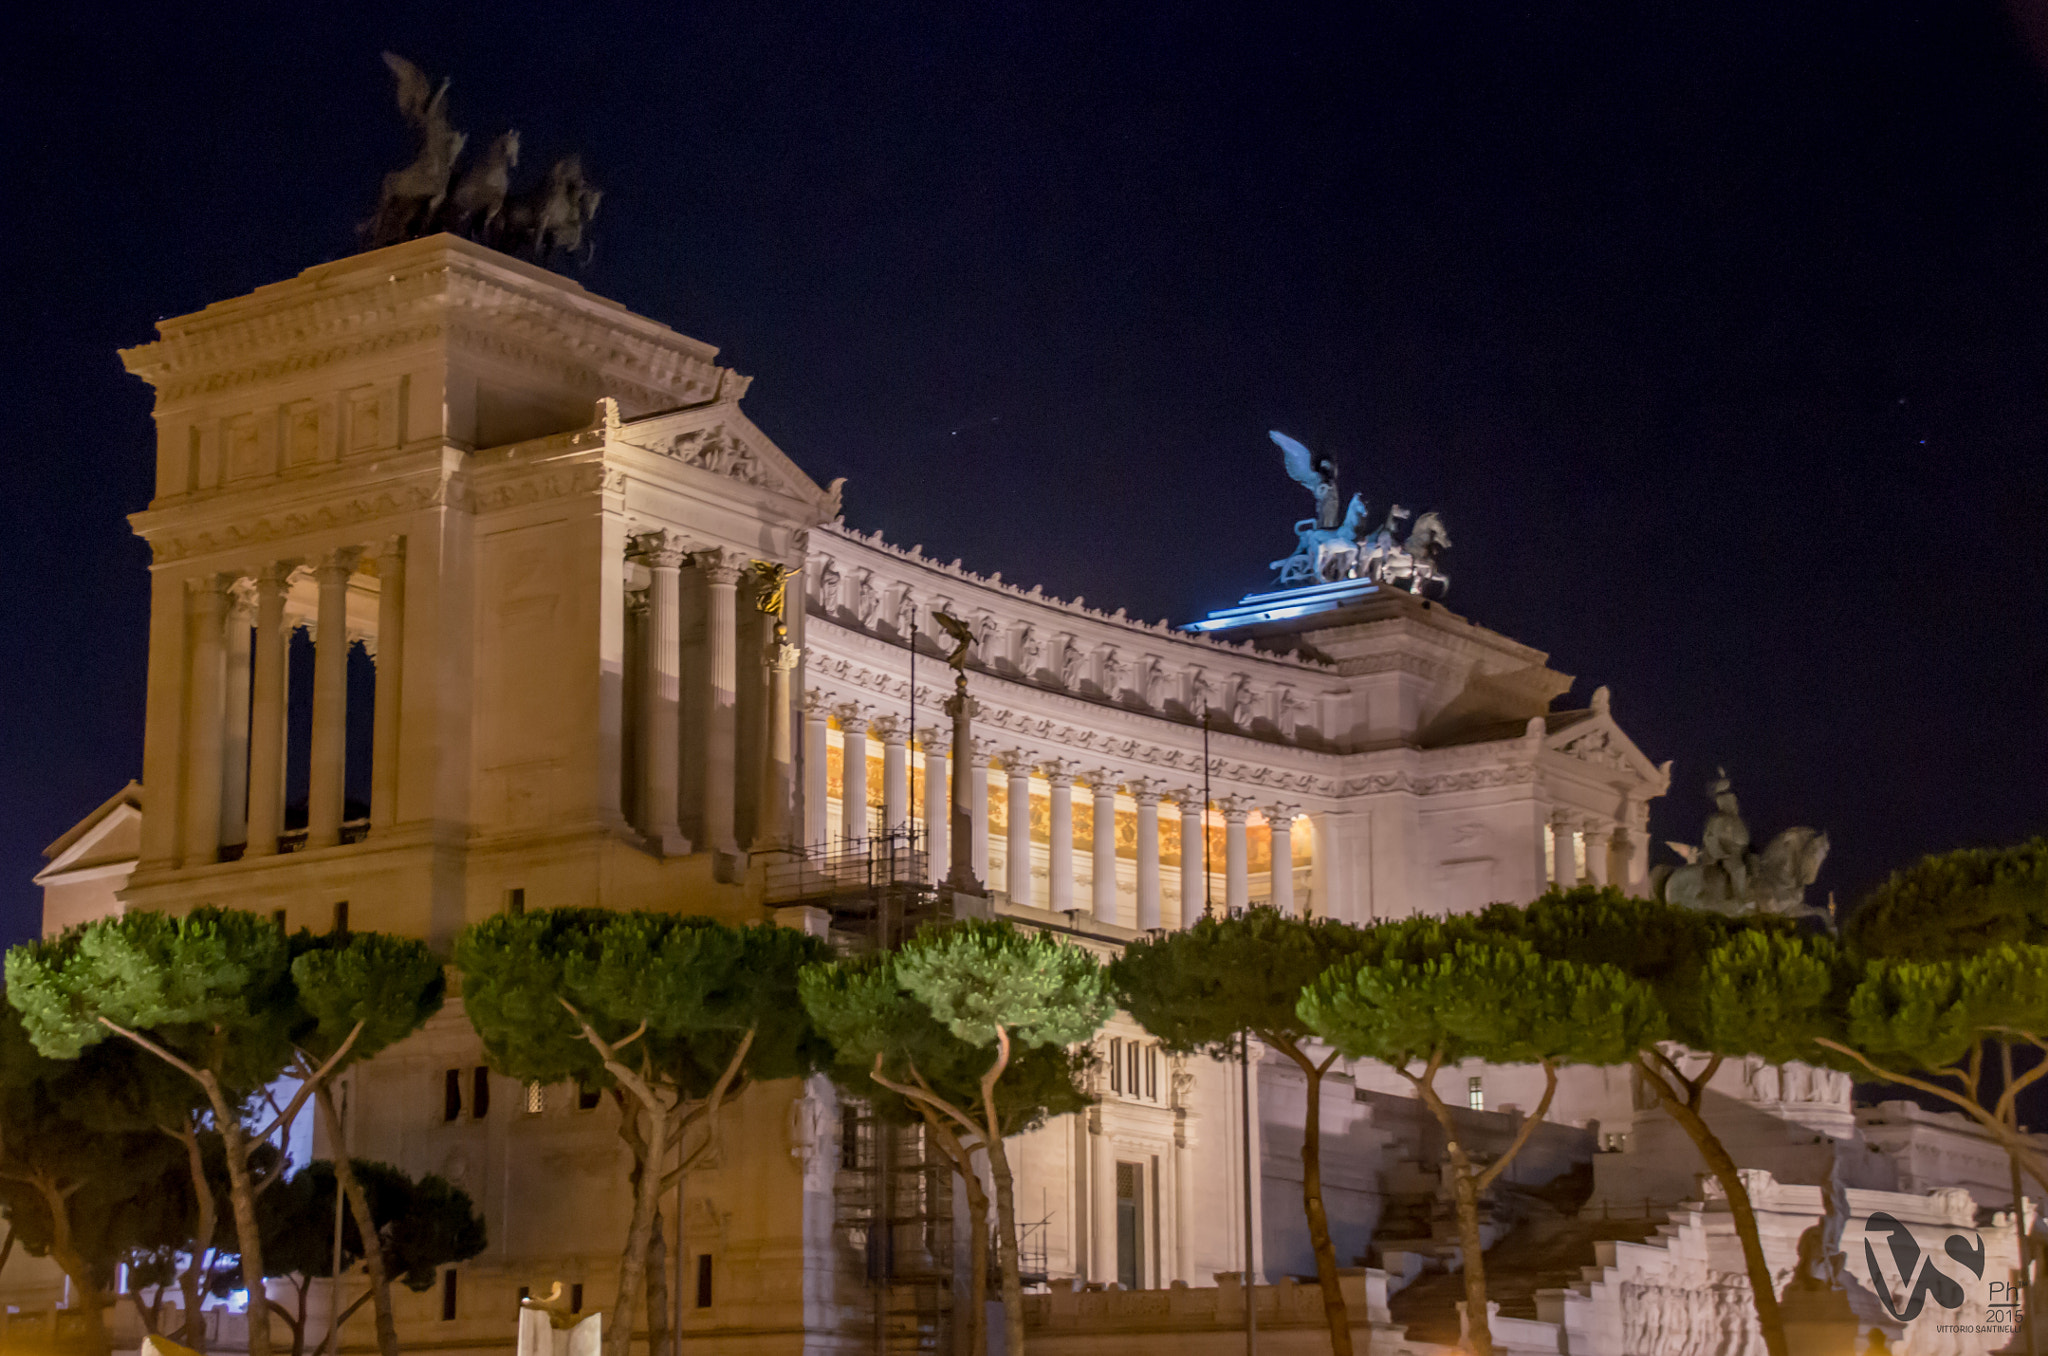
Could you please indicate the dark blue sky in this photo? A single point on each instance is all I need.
(1719, 333)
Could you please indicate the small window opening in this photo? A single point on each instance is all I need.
(849, 1141)
(448, 1295)
(480, 1093)
(451, 1095)
(576, 1298)
(1116, 1064)
(341, 917)
(588, 1098)
(703, 1280)
(1475, 1094)
(515, 901)
(277, 917)
(536, 1098)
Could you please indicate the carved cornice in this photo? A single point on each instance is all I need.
(168, 545)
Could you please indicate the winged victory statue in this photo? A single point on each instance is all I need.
(1330, 547)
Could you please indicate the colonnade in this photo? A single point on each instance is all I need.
(1585, 850)
(237, 678)
(1061, 777)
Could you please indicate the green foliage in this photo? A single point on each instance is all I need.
(1431, 992)
(423, 1225)
(862, 1010)
(1197, 989)
(1911, 1014)
(1768, 992)
(1955, 904)
(214, 987)
(390, 984)
(976, 976)
(696, 984)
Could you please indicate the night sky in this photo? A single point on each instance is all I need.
(1718, 333)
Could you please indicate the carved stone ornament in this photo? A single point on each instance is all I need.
(723, 453)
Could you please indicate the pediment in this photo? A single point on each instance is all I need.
(112, 833)
(1595, 739)
(718, 439)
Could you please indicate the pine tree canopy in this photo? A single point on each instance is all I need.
(1955, 904)
(975, 976)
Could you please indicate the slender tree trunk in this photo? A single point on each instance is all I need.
(74, 1265)
(618, 1336)
(657, 1289)
(206, 1220)
(1761, 1288)
(1335, 1312)
(1465, 1193)
(2023, 1277)
(1006, 1248)
(970, 1338)
(366, 1227)
(242, 1196)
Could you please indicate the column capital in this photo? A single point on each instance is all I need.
(1059, 771)
(1236, 809)
(1147, 790)
(784, 657)
(389, 552)
(1102, 780)
(1188, 798)
(934, 739)
(890, 729)
(1282, 812)
(720, 565)
(817, 706)
(1017, 762)
(341, 561)
(853, 719)
(657, 550)
(241, 602)
(981, 749)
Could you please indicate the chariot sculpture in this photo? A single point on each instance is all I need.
(547, 221)
(1330, 547)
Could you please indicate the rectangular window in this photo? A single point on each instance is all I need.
(277, 917)
(703, 1280)
(447, 1294)
(1130, 1234)
(515, 901)
(1116, 1064)
(575, 1292)
(536, 1098)
(341, 917)
(849, 1141)
(1152, 1073)
(588, 1098)
(451, 1095)
(1132, 1055)
(480, 1093)
(1475, 1094)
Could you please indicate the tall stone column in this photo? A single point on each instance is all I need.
(266, 723)
(1147, 794)
(234, 778)
(1101, 1200)
(207, 602)
(1194, 892)
(721, 734)
(853, 779)
(390, 654)
(938, 796)
(1599, 839)
(1237, 881)
(977, 790)
(1017, 866)
(1059, 854)
(895, 735)
(817, 772)
(661, 682)
(1280, 823)
(1103, 894)
(772, 820)
(330, 702)
(1564, 867)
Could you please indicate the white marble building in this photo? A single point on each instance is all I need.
(538, 512)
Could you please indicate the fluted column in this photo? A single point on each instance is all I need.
(1280, 824)
(234, 776)
(1059, 854)
(266, 722)
(977, 790)
(329, 760)
(385, 707)
(1564, 870)
(853, 779)
(1101, 1200)
(771, 823)
(895, 772)
(1017, 866)
(1237, 883)
(660, 695)
(1598, 841)
(1102, 895)
(817, 772)
(1147, 793)
(207, 608)
(721, 764)
(938, 793)
(1194, 893)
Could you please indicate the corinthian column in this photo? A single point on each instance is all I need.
(722, 576)
(208, 607)
(234, 780)
(1146, 793)
(1103, 889)
(1059, 853)
(773, 819)
(330, 702)
(390, 655)
(1101, 1200)
(1598, 843)
(1017, 764)
(1280, 824)
(895, 772)
(1194, 871)
(817, 772)
(1564, 868)
(266, 725)
(977, 790)
(853, 781)
(1237, 884)
(937, 797)
(660, 691)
